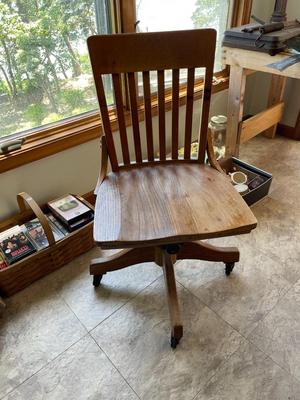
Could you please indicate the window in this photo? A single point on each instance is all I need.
(157, 15)
(46, 86)
(45, 73)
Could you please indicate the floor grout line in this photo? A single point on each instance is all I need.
(88, 333)
(215, 312)
(275, 305)
(126, 302)
(44, 366)
(244, 336)
(224, 362)
(113, 364)
(274, 361)
(76, 316)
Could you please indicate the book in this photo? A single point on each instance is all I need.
(3, 263)
(15, 244)
(57, 224)
(11, 231)
(57, 233)
(37, 234)
(81, 222)
(69, 210)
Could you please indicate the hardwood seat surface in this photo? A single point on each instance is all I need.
(170, 203)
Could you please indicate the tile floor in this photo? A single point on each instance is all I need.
(62, 339)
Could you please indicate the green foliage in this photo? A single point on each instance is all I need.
(35, 113)
(208, 13)
(3, 87)
(41, 46)
(53, 117)
(85, 63)
(72, 98)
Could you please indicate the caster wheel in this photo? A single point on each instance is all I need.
(97, 280)
(228, 268)
(174, 342)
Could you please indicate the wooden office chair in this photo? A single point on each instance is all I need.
(157, 209)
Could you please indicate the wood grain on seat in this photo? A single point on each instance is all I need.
(168, 203)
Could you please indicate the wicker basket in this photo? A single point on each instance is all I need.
(24, 272)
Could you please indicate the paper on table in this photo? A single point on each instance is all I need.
(285, 63)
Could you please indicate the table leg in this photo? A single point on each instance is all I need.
(235, 109)
(275, 96)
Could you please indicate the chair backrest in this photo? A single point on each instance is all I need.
(127, 54)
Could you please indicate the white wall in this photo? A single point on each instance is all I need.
(71, 171)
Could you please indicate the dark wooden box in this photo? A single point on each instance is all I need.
(258, 193)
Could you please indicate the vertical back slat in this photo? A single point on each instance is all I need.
(134, 117)
(148, 115)
(161, 114)
(121, 119)
(189, 113)
(169, 51)
(175, 112)
(205, 114)
(106, 124)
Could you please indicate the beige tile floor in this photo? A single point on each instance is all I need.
(62, 339)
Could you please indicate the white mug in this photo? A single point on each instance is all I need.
(238, 177)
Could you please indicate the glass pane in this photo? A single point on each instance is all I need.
(167, 15)
(45, 73)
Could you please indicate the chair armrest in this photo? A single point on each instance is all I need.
(211, 154)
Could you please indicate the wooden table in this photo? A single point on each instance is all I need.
(243, 63)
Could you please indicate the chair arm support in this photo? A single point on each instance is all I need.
(104, 163)
(211, 154)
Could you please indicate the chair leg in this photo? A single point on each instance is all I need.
(121, 259)
(165, 257)
(204, 251)
(170, 283)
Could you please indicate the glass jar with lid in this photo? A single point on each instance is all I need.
(217, 125)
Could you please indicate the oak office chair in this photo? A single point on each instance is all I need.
(159, 208)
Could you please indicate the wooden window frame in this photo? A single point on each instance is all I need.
(50, 140)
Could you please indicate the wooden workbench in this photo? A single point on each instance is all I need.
(242, 63)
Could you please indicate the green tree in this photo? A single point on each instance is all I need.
(10, 27)
(41, 44)
(209, 13)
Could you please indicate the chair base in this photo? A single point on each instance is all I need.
(165, 257)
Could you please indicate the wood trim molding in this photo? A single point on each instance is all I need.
(241, 12)
(53, 140)
(128, 16)
(69, 134)
(290, 131)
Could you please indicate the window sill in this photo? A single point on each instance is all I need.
(75, 132)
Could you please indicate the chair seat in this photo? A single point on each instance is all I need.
(168, 203)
